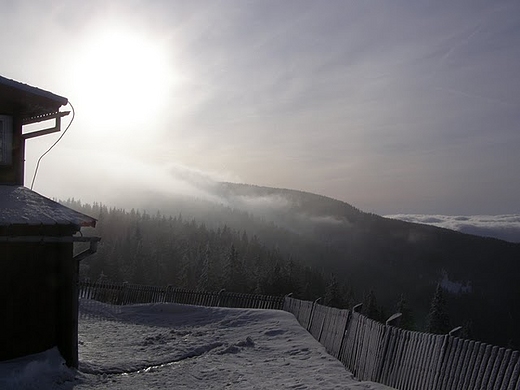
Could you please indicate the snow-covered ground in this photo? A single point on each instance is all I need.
(172, 346)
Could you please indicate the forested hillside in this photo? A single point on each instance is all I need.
(276, 241)
(159, 250)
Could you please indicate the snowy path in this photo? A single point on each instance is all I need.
(170, 346)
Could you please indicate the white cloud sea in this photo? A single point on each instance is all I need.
(505, 227)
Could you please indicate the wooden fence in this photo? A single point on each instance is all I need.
(403, 359)
(125, 294)
(372, 351)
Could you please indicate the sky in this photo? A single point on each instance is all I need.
(392, 106)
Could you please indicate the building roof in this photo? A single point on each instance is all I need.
(22, 206)
(26, 101)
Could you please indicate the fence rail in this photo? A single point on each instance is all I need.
(404, 359)
(125, 294)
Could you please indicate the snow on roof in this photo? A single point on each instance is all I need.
(22, 206)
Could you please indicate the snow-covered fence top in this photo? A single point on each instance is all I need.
(125, 294)
(404, 359)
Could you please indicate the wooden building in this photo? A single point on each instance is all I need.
(38, 269)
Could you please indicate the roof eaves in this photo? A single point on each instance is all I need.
(33, 90)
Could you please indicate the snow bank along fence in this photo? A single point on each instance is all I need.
(372, 351)
(405, 359)
(126, 294)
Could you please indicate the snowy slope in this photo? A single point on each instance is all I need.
(171, 346)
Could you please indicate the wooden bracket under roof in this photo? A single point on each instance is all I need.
(44, 117)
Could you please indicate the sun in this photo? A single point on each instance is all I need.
(122, 77)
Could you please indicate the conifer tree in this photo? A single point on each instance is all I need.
(370, 307)
(144, 248)
(438, 319)
(234, 277)
(277, 281)
(187, 274)
(407, 320)
(333, 296)
(208, 279)
(467, 330)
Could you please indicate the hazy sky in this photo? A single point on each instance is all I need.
(392, 106)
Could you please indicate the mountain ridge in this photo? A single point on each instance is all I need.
(395, 257)
(369, 252)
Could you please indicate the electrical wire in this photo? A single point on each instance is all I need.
(53, 145)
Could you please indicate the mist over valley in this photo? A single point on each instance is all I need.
(286, 241)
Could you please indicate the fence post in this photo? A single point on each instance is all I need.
(450, 351)
(121, 299)
(440, 362)
(220, 293)
(168, 294)
(285, 302)
(323, 324)
(455, 331)
(312, 314)
(344, 335)
(395, 318)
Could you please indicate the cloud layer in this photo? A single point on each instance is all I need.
(504, 227)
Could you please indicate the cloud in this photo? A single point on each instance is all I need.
(386, 105)
(260, 204)
(505, 227)
(326, 219)
(122, 181)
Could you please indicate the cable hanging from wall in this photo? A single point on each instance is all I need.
(53, 145)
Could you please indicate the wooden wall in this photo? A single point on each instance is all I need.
(37, 295)
(14, 173)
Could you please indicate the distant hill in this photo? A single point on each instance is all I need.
(392, 257)
(480, 276)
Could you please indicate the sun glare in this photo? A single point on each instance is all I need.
(122, 77)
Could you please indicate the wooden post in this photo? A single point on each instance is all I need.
(121, 296)
(312, 314)
(394, 320)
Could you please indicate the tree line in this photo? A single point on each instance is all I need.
(140, 248)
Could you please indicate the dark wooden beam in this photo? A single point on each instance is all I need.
(41, 118)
